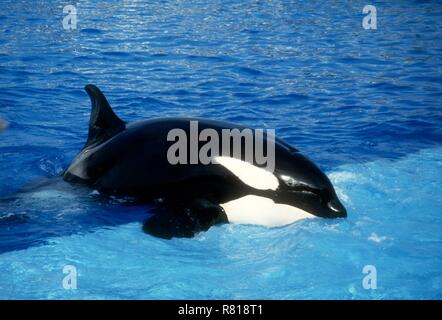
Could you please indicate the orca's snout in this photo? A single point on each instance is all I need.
(337, 209)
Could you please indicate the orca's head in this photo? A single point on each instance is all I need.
(302, 184)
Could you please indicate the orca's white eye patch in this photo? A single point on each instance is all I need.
(251, 175)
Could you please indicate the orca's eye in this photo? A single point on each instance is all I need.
(296, 186)
(289, 181)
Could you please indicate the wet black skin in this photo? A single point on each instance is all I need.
(130, 160)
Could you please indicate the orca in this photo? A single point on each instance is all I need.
(130, 160)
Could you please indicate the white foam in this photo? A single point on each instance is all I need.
(376, 238)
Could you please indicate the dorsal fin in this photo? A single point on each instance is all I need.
(103, 123)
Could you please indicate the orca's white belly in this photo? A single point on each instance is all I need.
(263, 211)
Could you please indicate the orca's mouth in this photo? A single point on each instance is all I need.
(319, 202)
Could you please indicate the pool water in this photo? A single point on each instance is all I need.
(363, 104)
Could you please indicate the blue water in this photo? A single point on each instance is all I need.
(365, 105)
